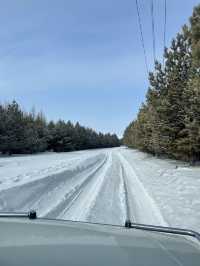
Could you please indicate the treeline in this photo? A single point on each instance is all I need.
(29, 132)
(169, 121)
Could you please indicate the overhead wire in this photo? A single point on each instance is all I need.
(142, 36)
(165, 28)
(153, 30)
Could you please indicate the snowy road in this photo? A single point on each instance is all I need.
(105, 186)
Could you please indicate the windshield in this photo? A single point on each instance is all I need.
(100, 111)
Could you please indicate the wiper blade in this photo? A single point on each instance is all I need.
(31, 214)
(163, 229)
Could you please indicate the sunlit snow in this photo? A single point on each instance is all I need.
(105, 186)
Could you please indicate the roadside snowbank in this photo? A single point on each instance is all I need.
(174, 186)
(19, 170)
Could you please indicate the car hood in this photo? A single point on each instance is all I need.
(51, 242)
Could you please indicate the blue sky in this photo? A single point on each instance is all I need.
(82, 60)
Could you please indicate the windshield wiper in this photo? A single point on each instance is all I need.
(162, 229)
(128, 224)
(31, 214)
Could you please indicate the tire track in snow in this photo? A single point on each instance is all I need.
(70, 198)
(109, 204)
(103, 188)
(142, 207)
(43, 193)
(126, 194)
(86, 198)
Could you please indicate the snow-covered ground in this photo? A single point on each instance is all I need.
(105, 186)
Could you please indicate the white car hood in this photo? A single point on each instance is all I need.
(44, 242)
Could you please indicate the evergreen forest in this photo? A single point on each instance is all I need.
(29, 132)
(168, 122)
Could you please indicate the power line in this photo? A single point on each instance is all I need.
(153, 30)
(142, 37)
(165, 26)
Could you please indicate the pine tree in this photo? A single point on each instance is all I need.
(189, 144)
(12, 138)
(22, 132)
(168, 123)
